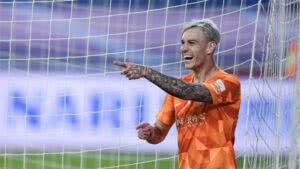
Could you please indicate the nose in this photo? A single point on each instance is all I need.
(184, 48)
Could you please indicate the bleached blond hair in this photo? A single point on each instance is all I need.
(207, 26)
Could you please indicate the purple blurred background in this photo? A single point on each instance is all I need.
(78, 37)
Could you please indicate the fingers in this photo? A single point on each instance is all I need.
(122, 64)
(133, 77)
(130, 75)
(142, 125)
(131, 71)
(145, 130)
(124, 72)
(144, 135)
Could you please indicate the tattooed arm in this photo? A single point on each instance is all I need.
(174, 86)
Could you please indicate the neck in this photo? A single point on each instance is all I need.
(205, 74)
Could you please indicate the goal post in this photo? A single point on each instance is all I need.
(64, 104)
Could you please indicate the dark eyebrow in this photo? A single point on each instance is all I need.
(192, 40)
(189, 40)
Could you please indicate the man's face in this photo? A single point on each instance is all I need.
(193, 48)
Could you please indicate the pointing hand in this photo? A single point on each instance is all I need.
(132, 71)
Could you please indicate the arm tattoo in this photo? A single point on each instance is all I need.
(179, 88)
(136, 69)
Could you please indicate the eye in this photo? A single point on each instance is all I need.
(192, 42)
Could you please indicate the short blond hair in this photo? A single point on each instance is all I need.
(207, 26)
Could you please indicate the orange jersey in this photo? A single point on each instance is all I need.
(206, 130)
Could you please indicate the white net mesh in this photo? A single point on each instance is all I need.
(65, 106)
(273, 130)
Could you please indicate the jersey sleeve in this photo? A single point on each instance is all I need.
(224, 90)
(167, 112)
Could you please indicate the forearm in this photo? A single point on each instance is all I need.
(177, 87)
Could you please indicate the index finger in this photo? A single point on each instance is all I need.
(123, 64)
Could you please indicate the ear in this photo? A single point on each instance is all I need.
(211, 46)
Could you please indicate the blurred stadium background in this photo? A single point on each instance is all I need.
(64, 104)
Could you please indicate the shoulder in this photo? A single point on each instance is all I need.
(224, 88)
(227, 77)
(223, 82)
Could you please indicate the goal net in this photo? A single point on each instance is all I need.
(64, 104)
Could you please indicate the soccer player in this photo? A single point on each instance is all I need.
(204, 104)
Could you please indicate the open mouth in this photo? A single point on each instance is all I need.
(187, 58)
